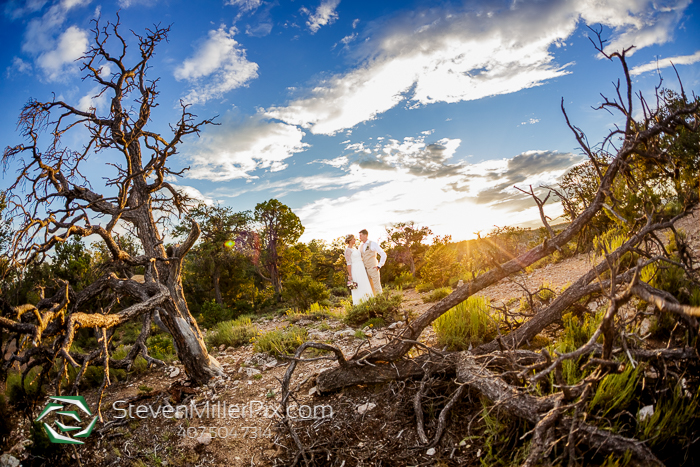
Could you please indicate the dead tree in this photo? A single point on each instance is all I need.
(616, 277)
(52, 201)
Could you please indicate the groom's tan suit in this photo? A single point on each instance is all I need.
(369, 251)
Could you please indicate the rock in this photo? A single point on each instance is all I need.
(304, 322)
(645, 327)
(593, 306)
(312, 391)
(345, 333)
(368, 333)
(430, 452)
(263, 360)
(222, 347)
(249, 371)
(204, 439)
(7, 460)
(179, 415)
(651, 373)
(175, 372)
(460, 283)
(645, 412)
(364, 408)
(230, 349)
(392, 326)
(319, 336)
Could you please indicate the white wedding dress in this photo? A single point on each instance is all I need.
(359, 275)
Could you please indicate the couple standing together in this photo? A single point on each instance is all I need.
(363, 267)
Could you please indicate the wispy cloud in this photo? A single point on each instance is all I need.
(325, 14)
(245, 5)
(218, 66)
(666, 62)
(452, 55)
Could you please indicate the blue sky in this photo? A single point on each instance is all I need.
(358, 114)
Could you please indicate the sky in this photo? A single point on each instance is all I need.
(360, 114)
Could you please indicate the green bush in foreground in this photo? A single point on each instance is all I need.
(280, 341)
(386, 306)
(233, 333)
(437, 294)
(469, 323)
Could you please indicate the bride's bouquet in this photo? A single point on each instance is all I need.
(352, 285)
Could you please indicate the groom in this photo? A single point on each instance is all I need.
(369, 250)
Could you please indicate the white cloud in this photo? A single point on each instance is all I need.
(70, 46)
(219, 65)
(666, 62)
(325, 14)
(54, 53)
(233, 151)
(447, 55)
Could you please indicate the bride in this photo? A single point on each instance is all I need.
(356, 272)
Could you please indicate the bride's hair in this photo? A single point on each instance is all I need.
(349, 238)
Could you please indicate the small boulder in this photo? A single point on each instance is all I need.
(175, 372)
(645, 412)
(430, 452)
(7, 460)
(204, 439)
(364, 408)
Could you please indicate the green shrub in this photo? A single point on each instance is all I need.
(303, 291)
(340, 291)
(673, 417)
(19, 396)
(404, 280)
(213, 313)
(424, 287)
(615, 391)
(386, 306)
(374, 323)
(160, 346)
(437, 295)
(232, 333)
(468, 323)
(280, 341)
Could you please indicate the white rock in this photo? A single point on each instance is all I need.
(204, 438)
(368, 333)
(345, 333)
(645, 412)
(362, 409)
(460, 283)
(175, 372)
(179, 415)
(393, 325)
(249, 371)
(7, 460)
(312, 391)
(645, 327)
(430, 452)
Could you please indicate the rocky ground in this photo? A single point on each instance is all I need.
(238, 412)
